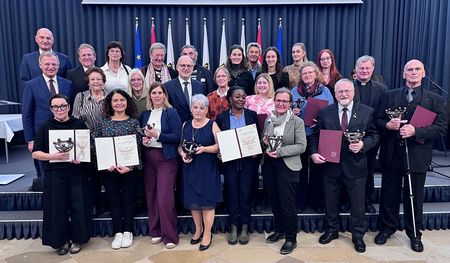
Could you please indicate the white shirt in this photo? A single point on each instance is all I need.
(55, 83)
(349, 112)
(189, 87)
(117, 80)
(155, 121)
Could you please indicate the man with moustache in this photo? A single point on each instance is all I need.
(86, 57)
(156, 70)
(351, 172)
(36, 96)
(29, 67)
(182, 89)
(399, 135)
(253, 53)
(199, 73)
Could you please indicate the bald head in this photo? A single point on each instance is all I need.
(44, 39)
(413, 73)
(185, 66)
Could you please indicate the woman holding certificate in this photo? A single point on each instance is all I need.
(119, 119)
(240, 174)
(201, 187)
(66, 219)
(309, 90)
(285, 140)
(162, 136)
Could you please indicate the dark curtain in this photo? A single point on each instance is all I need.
(392, 31)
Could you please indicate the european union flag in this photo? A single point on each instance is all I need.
(280, 40)
(137, 47)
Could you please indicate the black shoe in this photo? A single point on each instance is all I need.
(359, 244)
(64, 249)
(370, 209)
(205, 247)
(381, 238)
(416, 244)
(328, 237)
(274, 237)
(288, 247)
(196, 241)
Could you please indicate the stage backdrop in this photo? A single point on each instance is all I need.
(391, 31)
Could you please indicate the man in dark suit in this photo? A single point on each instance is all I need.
(370, 93)
(182, 89)
(351, 172)
(86, 57)
(399, 135)
(29, 67)
(199, 73)
(36, 96)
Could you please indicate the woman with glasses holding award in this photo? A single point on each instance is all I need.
(66, 217)
(162, 136)
(284, 140)
(201, 185)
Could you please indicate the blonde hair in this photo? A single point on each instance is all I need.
(271, 91)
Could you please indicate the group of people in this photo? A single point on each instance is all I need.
(176, 115)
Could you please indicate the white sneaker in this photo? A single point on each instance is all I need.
(170, 245)
(127, 239)
(156, 240)
(117, 242)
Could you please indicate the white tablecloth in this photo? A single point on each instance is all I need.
(10, 123)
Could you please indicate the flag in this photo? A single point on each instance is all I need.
(259, 39)
(280, 39)
(137, 47)
(205, 61)
(243, 35)
(153, 40)
(170, 59)
(188, 38)
(223, 46)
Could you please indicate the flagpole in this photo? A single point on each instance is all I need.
(243, 35)
(137, 45)
(188, 38)
(205, 52)
(170, 55)
(280, 38)
(153, 36)
(259, 40)
(223, 46)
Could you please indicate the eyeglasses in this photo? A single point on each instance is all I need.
(308, 73)
(282, 101)
(347, 91)
(185, 66)
(325, 58)
(62, 107)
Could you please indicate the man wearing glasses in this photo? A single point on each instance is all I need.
(182, 89)
(36, 94)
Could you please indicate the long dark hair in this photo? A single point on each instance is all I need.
(130, 111)
(244, 60)
(278, 67)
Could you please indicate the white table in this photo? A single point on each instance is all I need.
(9, 123)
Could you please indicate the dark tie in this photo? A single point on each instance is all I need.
(186, 92)
(344, 119)
(52, 87)
(410, 95)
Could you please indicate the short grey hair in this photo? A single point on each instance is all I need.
(188, 46)
(200, 98)
(365, 58)
(85, 45)
(284, 90)
(48, 54)
(157, 45)
(344, 80)
(253, 44)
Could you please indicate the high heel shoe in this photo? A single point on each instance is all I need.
(196, 241)
(203, 247)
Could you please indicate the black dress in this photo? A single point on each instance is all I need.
(66, 215)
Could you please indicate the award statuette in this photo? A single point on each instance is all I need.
(63, 146)
(298, 104)
(396, 113)
(354, 137)
(274, 142)
(189, 148)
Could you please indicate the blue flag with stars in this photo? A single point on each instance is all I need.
(137, 48)
(280, 40)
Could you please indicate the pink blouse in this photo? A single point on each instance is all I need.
(255, 103)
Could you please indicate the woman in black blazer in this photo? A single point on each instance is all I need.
(239, 174)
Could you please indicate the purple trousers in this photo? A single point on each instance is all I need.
(160, 176)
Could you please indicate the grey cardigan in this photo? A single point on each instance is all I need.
(293, 144)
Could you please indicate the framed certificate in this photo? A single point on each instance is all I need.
(75, 142)
(113, 151)
(239, 143)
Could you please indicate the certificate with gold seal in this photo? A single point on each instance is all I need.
(114, 151)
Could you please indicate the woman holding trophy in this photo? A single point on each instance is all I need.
(285, 140)
(201, 189)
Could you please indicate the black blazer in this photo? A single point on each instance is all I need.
(223, 119)
(177, 99)
(354, 165)
(79, 83)
(205, 77)
(377, 96)
(419, 153)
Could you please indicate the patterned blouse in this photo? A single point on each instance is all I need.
(255, 103)
(107, 127)
(217, 105)
(86, 108)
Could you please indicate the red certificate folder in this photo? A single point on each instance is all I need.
(312, 110)
(422, 117)
(330, 142)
